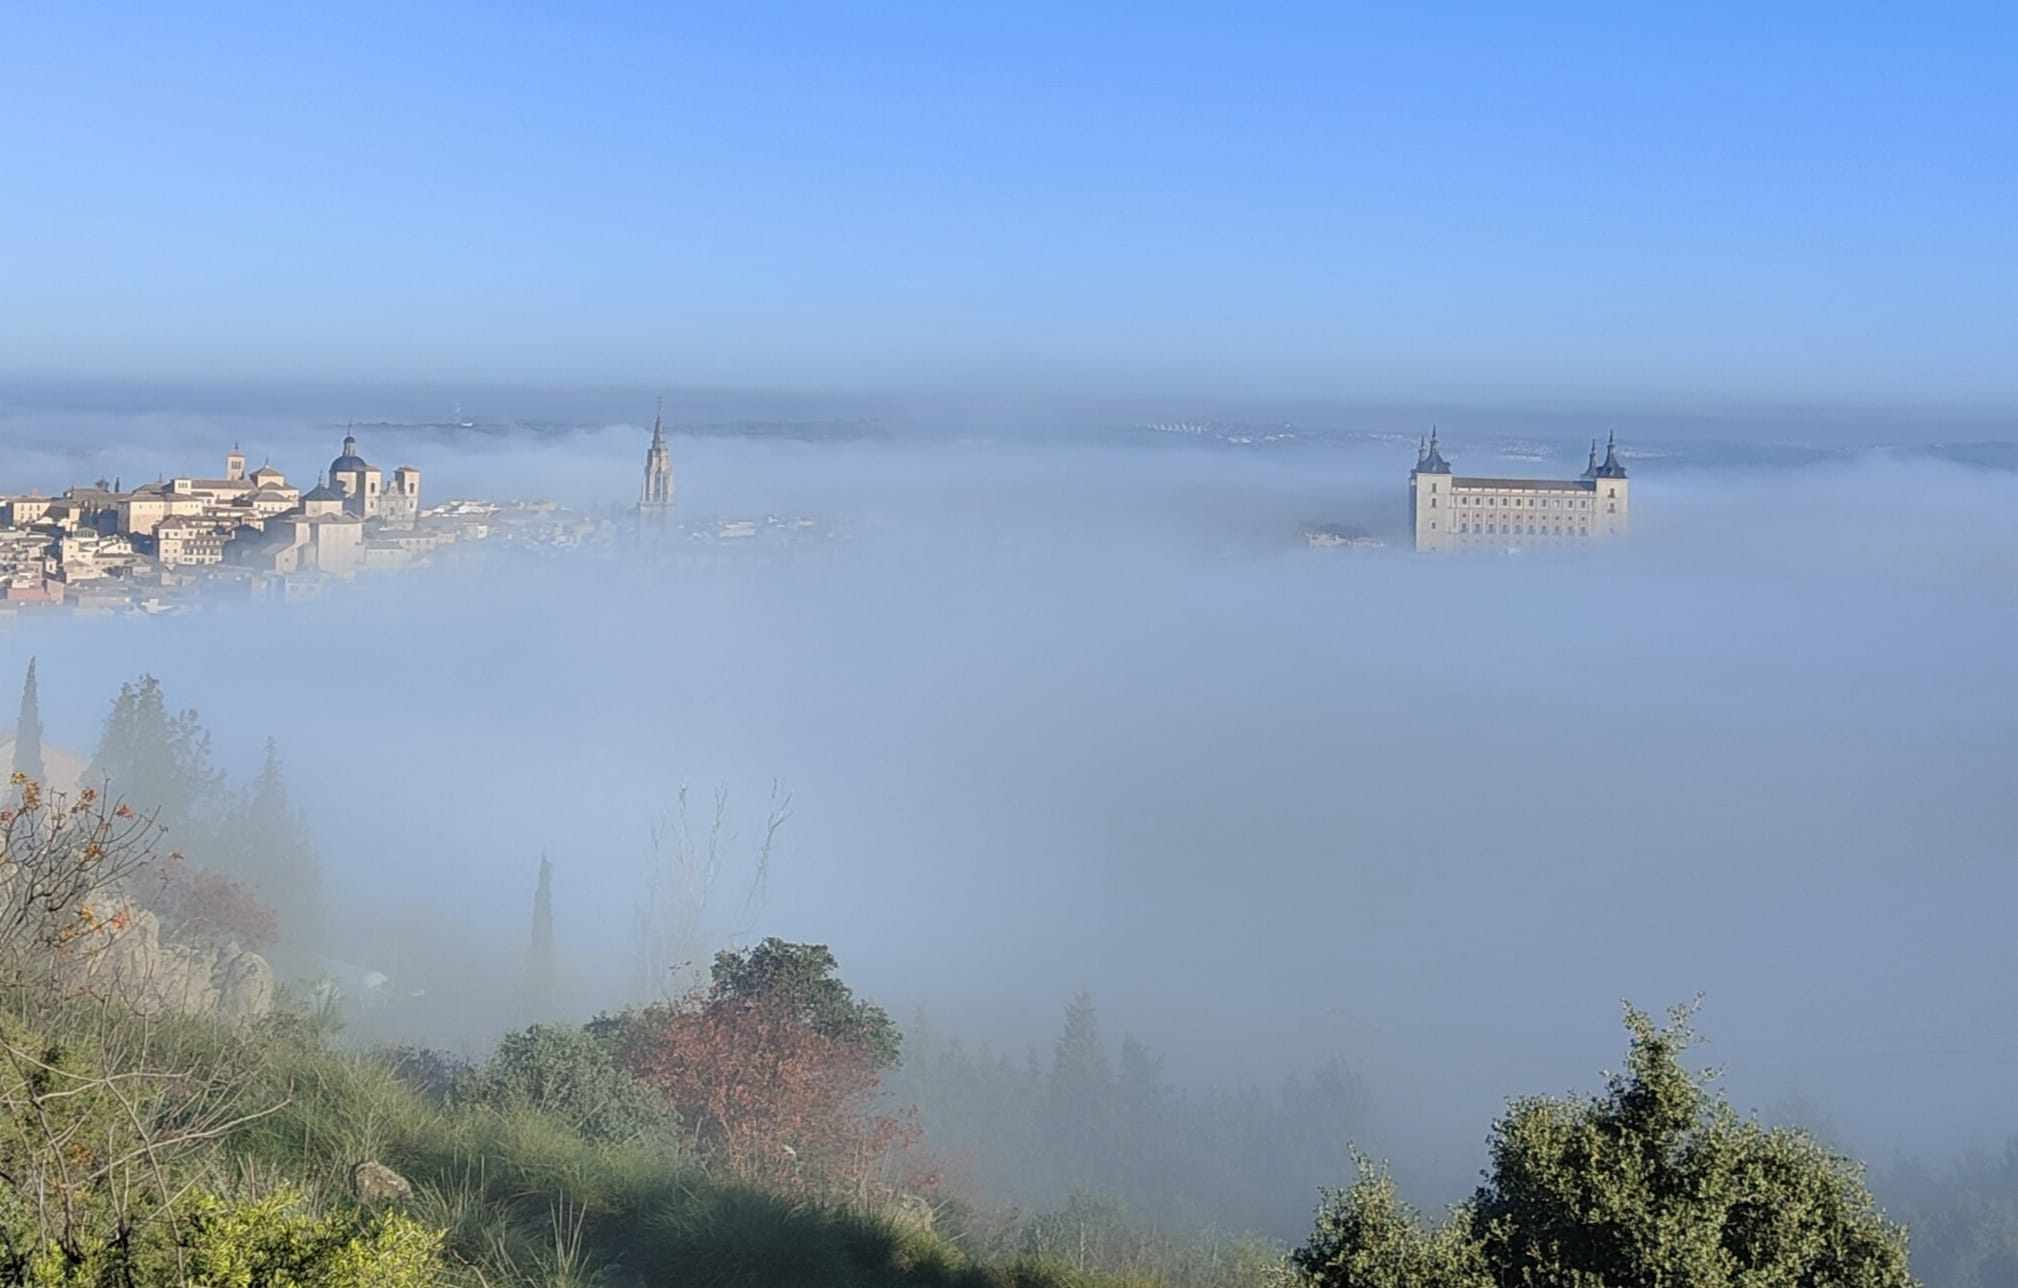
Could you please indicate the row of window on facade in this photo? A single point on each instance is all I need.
(1579, 505)
(1611, 507)
(1514, 529)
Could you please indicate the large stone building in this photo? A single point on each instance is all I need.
(656, 500)
(1456, 512)
(364, 490)
(295, 543)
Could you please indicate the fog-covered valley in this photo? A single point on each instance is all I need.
(1051, 716)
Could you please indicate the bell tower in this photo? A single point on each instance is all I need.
(655, 502)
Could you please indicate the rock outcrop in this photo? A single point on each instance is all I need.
(132, 963)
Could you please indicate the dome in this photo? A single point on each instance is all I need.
(350, 462)
(324, 492)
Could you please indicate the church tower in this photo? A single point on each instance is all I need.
(655, 503)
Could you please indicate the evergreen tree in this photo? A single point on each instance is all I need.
(28, 732)
(1655, 1182)
(1079, 1100)
(267, 844)
(540, 953)
(156, 762)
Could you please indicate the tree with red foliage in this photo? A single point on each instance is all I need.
(774, 1070)
(200, 906)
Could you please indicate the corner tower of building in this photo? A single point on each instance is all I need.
(1429, 495)
(1614, 517)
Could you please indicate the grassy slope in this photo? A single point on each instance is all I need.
(525, 1201)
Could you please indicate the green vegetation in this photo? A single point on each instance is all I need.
(772, 1128)
(1655, 1182)
(504, 1190)
(802, 979)
(160, 761)
(28, 730)
(571, 1076)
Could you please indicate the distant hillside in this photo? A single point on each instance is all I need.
(1987, 455)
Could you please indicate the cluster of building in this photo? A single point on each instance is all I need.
(1450, 511)
(107, 546)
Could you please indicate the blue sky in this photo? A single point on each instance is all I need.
(1712, 202)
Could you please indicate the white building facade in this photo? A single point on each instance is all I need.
(1450, 511)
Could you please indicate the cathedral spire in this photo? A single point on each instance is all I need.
(656, 499)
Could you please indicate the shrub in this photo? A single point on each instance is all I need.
(1655, 1182)
(435, 1075)
(568, 1075)
(101, 1112)
(201, 906)
(270, 1243)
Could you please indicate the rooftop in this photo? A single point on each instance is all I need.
(1528, 485)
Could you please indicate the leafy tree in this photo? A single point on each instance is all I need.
(762, 1095)
(1657, 1182)
(200, 906)
(773, 1070)
(28, 732)
(800, 981)
(63, 858)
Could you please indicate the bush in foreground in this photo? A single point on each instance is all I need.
(1655, 1182)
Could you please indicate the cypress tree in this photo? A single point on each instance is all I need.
(540, 953)
(28, 731)
(267, 844)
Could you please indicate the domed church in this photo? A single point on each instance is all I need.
(364, 492)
